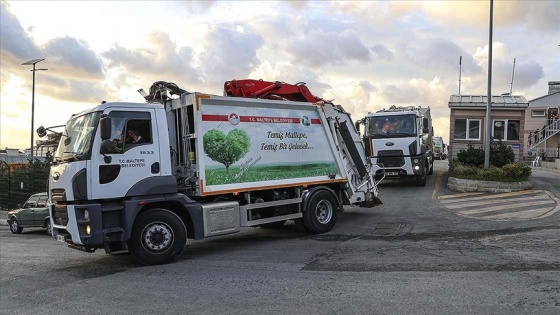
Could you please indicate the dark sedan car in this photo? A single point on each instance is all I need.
(34, 213)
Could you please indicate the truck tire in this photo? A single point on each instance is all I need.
(321, 212)
(158, 237)
(431, 171)
(421, 180)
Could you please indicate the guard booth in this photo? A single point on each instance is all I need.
(468, 122)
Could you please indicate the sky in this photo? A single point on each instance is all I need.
(364, 55)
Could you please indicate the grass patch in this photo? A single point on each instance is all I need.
(266, 173)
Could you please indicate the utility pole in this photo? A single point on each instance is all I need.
(488, 134)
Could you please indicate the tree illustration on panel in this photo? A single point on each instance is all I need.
(226, 149)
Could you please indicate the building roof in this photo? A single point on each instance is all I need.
(548, 100)
(481, 101)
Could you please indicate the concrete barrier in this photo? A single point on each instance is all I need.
(470, 185)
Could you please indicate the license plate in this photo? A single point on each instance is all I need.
(392, 173)
(60, 238)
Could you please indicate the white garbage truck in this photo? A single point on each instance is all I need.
(438, 146)
(399, 140)
(144, 177)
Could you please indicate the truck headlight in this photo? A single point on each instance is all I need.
(415, 161)
(86, 215)
(416, 167)
(88, 229)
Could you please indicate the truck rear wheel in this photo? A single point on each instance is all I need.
(321, 212)
(158, 237)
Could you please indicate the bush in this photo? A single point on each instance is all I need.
(520, 171)
(465, 171)
(492, 174)
(472, 156)
(500, 154)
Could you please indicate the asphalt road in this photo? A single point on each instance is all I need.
(413, 255)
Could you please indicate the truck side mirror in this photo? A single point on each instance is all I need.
(41, 132)
(425, 125)
(357, 125)
(105, 127)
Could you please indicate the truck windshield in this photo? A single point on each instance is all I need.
(393, 126)
(77, 138)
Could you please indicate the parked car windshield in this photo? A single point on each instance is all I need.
(77, 138)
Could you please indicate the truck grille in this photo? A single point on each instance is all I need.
(391, 158)
(59, 209)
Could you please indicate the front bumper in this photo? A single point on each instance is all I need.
(72, 219)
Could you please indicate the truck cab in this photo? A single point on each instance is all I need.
(399, 140)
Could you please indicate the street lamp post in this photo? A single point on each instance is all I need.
(33, 62)
(488, 134)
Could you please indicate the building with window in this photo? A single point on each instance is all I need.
(543, 114)
(468, 122)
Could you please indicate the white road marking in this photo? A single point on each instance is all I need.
(460, 195)
(495, 201)
(527, 214)
(493, 196)
(505, 207)
(519, 205)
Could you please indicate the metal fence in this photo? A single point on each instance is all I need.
(18, 181)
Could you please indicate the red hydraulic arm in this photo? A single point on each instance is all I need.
(270, 90)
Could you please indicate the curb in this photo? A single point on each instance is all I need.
(469, 185)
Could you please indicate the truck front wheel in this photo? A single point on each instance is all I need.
(321, 212)
(158, 237)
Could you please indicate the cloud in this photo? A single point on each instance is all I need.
(527, 73)
(16, 46)
(159, 59)
(75, 90)
(399, 94)
(439, 55)
(198, 6)
(320, 48)
(229, 52)
(382, 52)
(66, 59)
(13, 38)
(73, 57)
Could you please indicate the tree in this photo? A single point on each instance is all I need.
(226, 149)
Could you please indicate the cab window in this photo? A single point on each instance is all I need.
(130, 129)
